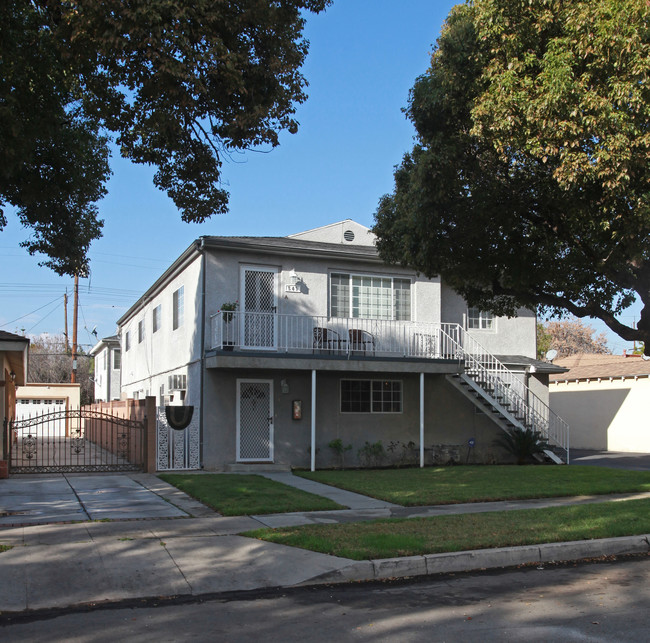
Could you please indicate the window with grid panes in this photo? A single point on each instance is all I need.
(479, 319)
(371, 396)
(370, 297)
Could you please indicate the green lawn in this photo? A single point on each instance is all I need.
(390, 538)
(449, 485)
(243, 495)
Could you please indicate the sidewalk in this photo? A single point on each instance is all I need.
(61, 565)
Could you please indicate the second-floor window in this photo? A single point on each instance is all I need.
(156, 318)
(370, 297)
(127, 341)
(117, 360)
(141, 331)
(479, 319)
(178, 308)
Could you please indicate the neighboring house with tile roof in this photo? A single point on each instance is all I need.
(325, 342)
(604, 398)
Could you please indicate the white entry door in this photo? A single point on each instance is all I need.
(259, 328)
(254, 420)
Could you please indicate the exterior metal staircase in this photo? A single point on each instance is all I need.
(506, 400)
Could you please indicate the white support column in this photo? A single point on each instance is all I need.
(421, 420)
(313, 420)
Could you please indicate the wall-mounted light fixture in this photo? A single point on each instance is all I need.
(294, 277)
(284, 386)
(12, 375)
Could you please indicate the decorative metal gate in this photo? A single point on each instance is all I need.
(75, 440)
(177, 449)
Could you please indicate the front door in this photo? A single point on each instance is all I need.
(259, 328)
(254, 420)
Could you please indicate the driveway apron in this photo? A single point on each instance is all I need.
(37, 499)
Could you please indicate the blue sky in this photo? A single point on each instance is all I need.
(363, 59)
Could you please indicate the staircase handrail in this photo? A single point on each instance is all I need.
(483, 367)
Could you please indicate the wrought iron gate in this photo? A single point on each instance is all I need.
(75, 440)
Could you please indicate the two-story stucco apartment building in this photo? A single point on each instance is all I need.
(283, 344)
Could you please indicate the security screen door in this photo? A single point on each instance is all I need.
(259, 328)
(255, 420)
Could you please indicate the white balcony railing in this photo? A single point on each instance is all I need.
(336, 337)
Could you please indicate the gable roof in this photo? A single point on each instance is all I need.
(277, 245)
(585, 366)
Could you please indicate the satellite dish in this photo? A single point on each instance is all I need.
(551, 355)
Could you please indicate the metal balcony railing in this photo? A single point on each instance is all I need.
(350, 337)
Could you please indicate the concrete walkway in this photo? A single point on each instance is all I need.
(61, 565)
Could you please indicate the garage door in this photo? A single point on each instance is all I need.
(34, 407)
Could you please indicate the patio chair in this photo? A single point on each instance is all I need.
(361, 340)
(326, 339)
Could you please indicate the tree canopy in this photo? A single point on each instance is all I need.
(177, 84)
(569, 337)
(529, 184)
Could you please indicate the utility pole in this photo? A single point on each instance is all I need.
(65, 309)
(73, 375)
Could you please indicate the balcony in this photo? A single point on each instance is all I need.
(321, 336)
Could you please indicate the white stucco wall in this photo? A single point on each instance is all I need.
(335, 233)
(106, 377)
(610, 415)
(514, 336)
(147, 365)
(224, 282)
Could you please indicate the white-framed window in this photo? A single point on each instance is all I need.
(127, 341)
(117, 360)
(141, 331)
(370, 297)
(371, 396)
(479, 319)
(178, 308)
(156, 318)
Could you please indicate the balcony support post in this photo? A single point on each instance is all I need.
(313, 420)
(421, 420)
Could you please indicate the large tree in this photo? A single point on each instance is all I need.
(529, 184)
(178, 84)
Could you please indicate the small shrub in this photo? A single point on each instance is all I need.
(523, 444)
(371, 455)
(339, 449)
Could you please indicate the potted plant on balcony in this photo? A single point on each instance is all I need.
(227, 312)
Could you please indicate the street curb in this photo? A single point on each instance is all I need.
(481, 559)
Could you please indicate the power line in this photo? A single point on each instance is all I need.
(28, 314)
(42, 319)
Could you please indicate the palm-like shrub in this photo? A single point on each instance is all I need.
(523, 444)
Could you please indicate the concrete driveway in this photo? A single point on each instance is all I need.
(614, 459)
(45, 498)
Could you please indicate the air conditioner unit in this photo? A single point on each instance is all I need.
(177, 383)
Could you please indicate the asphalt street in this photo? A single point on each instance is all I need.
(601, 601)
